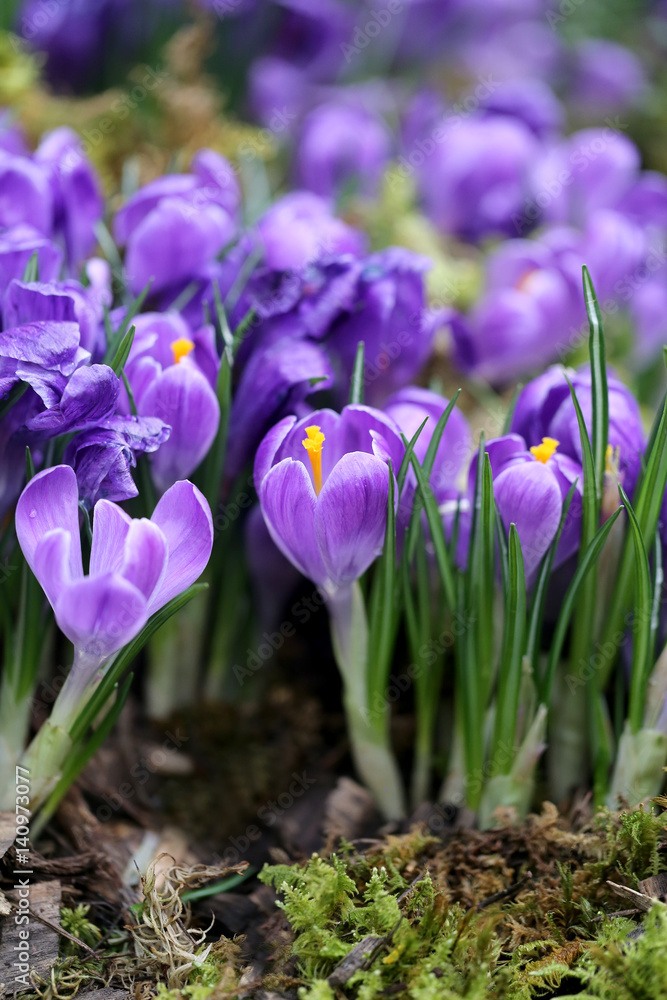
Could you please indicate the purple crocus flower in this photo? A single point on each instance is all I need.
(323, 484)
(605, 77)
(17, 246)
(532, 102)
(78, 204)
(529, 486)
(300, 228)
(175, 226)
(389, 314)
(544, 408)
(530, 289)
(168, 384)
(473, 175)
(25, 194)
(136, 566)
(341, 144)
(593, 169)
(62, 301)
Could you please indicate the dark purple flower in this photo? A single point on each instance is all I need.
(473, 174)
(325, 501)
(545, 409)
(275, 382)
(44, 355)
(341, 145)
(136, 567)
(62, 301)
(389, 314)
(103, 456)
(89, 397)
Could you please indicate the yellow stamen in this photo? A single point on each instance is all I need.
(181, 348)
(544, 451)
(313, 445)
(612, 459)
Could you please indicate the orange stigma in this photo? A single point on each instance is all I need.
(313, 445)
(181, 348)
(544, 451)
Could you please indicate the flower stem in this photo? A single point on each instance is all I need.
(368, 728)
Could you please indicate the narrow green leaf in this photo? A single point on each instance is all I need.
(12, 397)
(641, 626)
(509, 674)
(29, 464)
(588, 560)
(384, 612)
(31, 271)
(214, 464)
(437, 532)
(407, 457)
(507, 424)
(217, 888)
(599, 389)
(357, 382)
(540, 589)
(118, 361)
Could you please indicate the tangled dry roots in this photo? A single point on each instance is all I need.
(163, 934)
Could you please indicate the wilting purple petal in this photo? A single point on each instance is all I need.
(184, 518)
(288, 503)
(90, 396)
(49, 501)
(100, 614)
(351, 516)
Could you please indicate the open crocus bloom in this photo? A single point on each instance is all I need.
(136, 566)
(323, 485)
(529, 486)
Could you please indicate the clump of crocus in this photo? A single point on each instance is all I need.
(323, 484)
(136, 567)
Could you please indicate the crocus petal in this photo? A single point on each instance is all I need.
(528, 495)
(90, 396)
(110, 527)
(288, 504)
(184, 400)
(269, 446)
(52, 558)
(100, 614)
(184, 518)
(351, 516)
(145, 561)
(50, 500)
